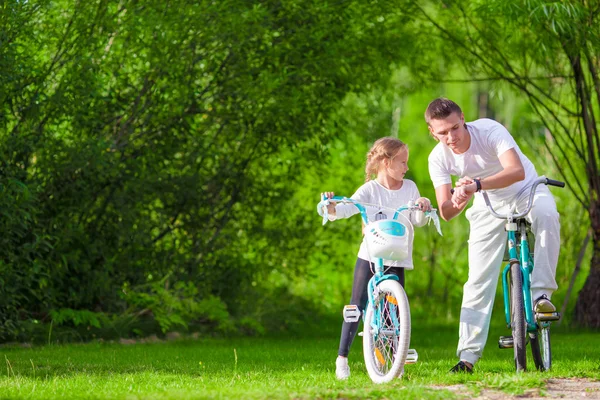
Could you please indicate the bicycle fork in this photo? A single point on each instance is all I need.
(525, 266)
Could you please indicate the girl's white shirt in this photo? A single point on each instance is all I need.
(374, 193)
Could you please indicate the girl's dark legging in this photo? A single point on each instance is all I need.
(362, 274)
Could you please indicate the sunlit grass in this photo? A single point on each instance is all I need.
(282, 367)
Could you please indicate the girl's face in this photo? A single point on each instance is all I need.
(397, 167)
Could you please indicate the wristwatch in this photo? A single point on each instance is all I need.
(478, 184)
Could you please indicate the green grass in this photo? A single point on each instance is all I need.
(282, 367)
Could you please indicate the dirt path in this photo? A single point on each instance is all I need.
(555, 389)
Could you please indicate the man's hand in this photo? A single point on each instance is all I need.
(462, 194)
(468, 183)
(466, 180)
(447, 208)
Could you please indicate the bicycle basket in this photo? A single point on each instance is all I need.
(387, 239)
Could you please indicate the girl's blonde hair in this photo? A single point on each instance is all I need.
(383, 148)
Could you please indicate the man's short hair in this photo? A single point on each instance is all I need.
(441, 108)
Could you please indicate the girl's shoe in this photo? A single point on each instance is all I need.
(342, 370)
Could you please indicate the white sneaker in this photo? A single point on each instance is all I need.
(342, 370)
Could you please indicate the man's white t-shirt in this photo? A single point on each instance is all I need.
(373, 192)
(489, 140)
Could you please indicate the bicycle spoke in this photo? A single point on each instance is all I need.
(386, 343)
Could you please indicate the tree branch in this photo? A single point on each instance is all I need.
(575, 273)
(566, 158)
(590, 129)
(502, 78)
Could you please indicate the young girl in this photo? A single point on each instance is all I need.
(388, 160)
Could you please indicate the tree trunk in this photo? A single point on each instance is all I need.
(587, 308)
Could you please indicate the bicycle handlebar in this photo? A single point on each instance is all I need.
(552, 182)
(431, 214)
(538, 181)
(362, 209)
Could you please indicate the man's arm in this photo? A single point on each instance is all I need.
(512, 172)
(448, 209)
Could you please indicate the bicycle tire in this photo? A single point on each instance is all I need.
(518, 324)
(541, 348)
(385, 351)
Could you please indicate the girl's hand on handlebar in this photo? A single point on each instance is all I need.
(331, 205)
(423, 203)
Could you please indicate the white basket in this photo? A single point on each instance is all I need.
(387, 239)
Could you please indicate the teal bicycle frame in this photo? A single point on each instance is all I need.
(524, 323)
(526, 266)
(387, 313)
(378, 275)
(523, 257)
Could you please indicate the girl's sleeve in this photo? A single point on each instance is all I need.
(348, 210)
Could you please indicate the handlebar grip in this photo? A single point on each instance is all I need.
(552, 182)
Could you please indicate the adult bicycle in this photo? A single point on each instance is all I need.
(519, 312)
(386, 321)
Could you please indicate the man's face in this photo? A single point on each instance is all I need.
(452, 132)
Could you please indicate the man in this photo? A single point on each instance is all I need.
(485, 156)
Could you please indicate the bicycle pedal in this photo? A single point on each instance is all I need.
(554, 316)
(411, 357)
(506, 342)
(351, 313)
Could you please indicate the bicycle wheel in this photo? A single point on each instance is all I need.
(541, 349)
(518, 324)
(386, 332)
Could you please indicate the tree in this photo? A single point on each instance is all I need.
(549, 52)
(156, 137)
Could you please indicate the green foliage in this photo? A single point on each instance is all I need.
(155, 138)
(78, 317)
(176, 307)
(190, 141)
(22, 243)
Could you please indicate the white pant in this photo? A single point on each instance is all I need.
(487, 241)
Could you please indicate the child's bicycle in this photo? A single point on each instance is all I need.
(386, 320)
(516, 283)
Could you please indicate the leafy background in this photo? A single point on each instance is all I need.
(160, 162)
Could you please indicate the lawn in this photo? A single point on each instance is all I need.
(282, 367)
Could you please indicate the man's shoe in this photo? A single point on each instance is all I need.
(342, 370)
(545, 310)
(461, 367)
(543, 305)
